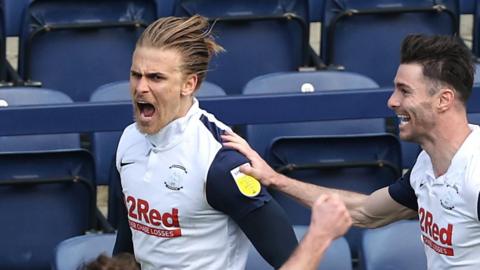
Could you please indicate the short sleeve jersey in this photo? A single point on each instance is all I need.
(181, 197)
(448, 206)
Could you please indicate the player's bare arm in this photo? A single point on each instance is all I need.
(370, 211)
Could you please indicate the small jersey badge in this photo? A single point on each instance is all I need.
(449, 196)
(247, 185)
(175, 179)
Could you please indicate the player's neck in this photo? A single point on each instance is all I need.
(445, 143)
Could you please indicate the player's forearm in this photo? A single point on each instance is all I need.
(307, 193)
(304, 193)
(367, 211)
(308, 254)
(379, 209)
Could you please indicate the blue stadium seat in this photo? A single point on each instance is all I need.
(259, 37)
(210, 89)
(76, 252)
(337, 256)
(77, 45)
(365, 36)
(260, 136)
(361, 163)
(45, 197)
(13, 15)
(46, 180)
(410, 152)
(396, 246)
(467, 6)
(165, 7)
(20, 96)
(315, 8)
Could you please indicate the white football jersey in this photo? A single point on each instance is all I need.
(448, 206)
(181, 196)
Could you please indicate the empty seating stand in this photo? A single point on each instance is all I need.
(47, 187)
(22, 96)
(77, 45)
(259, 37)
(261, 136)
(365, 36)
(45, 197)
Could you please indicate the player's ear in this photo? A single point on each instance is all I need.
(446, 99)
(189, 85)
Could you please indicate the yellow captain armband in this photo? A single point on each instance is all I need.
(247, 185)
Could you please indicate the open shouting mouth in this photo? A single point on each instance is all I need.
(146, 109)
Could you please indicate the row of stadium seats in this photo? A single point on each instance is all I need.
(78, 45)
(380, 249)
(316, 7)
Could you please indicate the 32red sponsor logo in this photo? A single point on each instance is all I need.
(165, 224)
(438, 234)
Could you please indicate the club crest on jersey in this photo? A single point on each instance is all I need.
(448, 196)
(247, 185)
(175, 179)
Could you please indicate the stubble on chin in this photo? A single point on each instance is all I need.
(140, 128)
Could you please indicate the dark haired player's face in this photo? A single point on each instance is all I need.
(160, 91)
(413, 103)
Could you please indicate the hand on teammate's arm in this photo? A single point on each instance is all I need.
(330, 220)
(259, 169)
(305, 193)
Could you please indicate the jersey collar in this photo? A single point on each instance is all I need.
(173, 133)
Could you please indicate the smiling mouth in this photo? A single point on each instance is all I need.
(146, 109)
(403, 119)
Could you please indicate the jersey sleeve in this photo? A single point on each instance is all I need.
(402, 192)
(269, 230)
(222, 191)
(478, 207)
(471, 187)
(118, 212)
